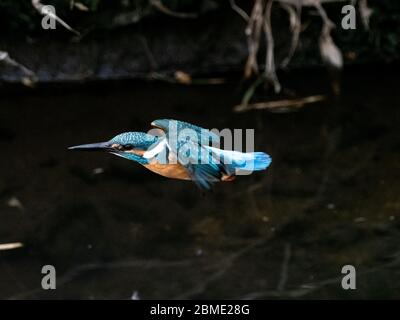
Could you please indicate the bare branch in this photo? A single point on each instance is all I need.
(5, 57)
(280, 106)
(253, 32)
(270, 72)
(161, 7)
(365, 12)
(309, 3)
(239, 10)
(295, 27)
(330, 53)
(10, 246)
(29, 77)
(285, 267)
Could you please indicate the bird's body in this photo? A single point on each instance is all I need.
(182, 152)
(174, 171)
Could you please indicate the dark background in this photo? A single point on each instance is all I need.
(330, 197)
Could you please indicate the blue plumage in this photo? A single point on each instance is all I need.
(261, 161)
(140, 140)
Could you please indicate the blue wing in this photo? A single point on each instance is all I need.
(204, 135)
(189, 149)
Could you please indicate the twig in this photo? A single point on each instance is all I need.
(309, 3)
(161, 7)
(330, 53)
(328, 24)
(29, 79)
(285, 267)
(253, 33)
(239, 10)
(149, 54)
(280, 105)
(5, 57)
(11, 246)
(295, 27)
(127, 18)
(270, 71)
(365, 12)
(180, 77)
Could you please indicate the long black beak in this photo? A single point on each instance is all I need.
(102, 146)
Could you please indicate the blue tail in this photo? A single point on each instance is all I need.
(246, 163)
(259, 161)
(234, 160)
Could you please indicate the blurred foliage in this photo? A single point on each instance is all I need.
(18, 18)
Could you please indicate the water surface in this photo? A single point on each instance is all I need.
(330, 197)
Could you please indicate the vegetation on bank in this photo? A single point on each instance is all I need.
(264, 24)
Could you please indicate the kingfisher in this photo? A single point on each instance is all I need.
(182, 151)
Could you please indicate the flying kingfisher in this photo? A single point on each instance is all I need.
(183, 151)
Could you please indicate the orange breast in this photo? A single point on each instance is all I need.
(174, 171)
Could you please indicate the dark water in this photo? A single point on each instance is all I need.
(330, 197)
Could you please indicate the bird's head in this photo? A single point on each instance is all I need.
(129, 145)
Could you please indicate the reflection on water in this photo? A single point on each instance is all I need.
(113, 229)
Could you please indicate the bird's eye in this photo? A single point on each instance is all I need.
(127, 146)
